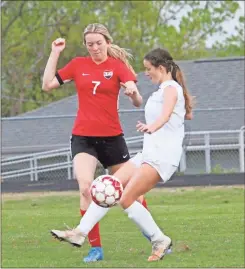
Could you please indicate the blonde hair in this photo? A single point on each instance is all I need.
(114, 51)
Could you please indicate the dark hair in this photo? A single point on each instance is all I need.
(162, 57)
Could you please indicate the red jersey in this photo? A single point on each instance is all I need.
(98, 88)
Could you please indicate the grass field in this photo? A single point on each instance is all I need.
(206, 225)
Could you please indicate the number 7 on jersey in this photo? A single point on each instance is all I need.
(97, 83)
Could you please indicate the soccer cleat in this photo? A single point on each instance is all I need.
(168, 251)
(95, 254)
(160, 248)
(72, 236)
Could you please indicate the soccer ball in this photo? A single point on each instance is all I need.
(106, 191)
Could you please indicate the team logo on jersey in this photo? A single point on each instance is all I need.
(108, 74)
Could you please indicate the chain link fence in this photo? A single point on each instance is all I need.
(45, 155)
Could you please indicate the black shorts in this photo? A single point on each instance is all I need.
(108, 150)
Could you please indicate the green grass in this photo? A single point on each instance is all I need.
(206, 225)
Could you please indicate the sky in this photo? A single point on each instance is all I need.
(228, 25)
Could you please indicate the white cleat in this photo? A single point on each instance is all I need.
(72, 236)
(160, 248)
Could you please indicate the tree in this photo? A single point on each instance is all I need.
(28, 30)
(232, 45)
(29, 27)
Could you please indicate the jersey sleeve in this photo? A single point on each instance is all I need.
(125, 74)
(66, 73)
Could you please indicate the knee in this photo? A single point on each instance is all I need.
(124, 201)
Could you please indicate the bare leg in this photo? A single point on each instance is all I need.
(84, 168)
(140, 183)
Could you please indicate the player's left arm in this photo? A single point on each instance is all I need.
(128, 80)
(170, 99)
(131, 90)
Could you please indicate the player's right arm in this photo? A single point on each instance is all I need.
(50, 80)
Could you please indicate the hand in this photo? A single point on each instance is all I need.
(133, 94)
(189, 116)
(141, 127)
(58, 45)
(128, 91)
(123, 85)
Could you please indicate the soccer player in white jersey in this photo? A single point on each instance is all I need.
(165, 112)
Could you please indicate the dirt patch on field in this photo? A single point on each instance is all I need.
(27, 195)
(179, 189)
(21, 196)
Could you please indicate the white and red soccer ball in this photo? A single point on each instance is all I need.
(106, 190)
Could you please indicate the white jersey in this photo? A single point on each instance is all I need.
(165, 145)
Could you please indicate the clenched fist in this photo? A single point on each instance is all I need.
(58, 45)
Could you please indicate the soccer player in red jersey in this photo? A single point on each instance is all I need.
(97, 133)
(165, 112)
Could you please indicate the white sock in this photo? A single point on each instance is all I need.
(143, 219)
(93, 215)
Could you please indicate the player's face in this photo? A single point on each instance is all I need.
(97, 46)
(154, 73)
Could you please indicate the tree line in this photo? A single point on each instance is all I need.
(29, 27)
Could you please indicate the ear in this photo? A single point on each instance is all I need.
(162, 68)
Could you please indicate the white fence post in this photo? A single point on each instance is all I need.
(32, 170)
(207, 153)
(69, 169)
(241, 150)
(35, 169)
(183, 161)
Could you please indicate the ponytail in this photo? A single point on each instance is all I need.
(179, 77)
(116, 52)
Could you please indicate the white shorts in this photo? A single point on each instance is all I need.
(165, 170)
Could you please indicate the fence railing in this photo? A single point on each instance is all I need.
(121, 111)
(212, 146)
